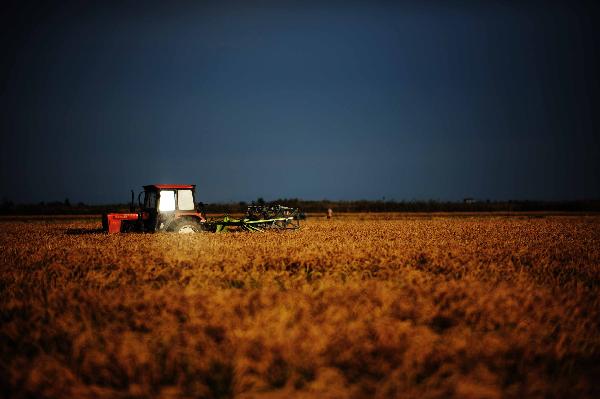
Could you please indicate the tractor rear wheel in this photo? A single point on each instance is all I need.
(187, 226)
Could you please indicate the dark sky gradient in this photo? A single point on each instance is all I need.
(339, 100)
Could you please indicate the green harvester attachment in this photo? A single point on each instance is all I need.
(258, 218)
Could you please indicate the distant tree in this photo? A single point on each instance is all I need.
(67, 202)
(260, 201)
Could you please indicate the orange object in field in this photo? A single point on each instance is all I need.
(115, 219)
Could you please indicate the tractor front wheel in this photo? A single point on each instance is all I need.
(187, 226)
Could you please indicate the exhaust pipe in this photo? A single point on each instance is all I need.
(131, 206)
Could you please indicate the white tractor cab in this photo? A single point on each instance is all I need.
(170, 207)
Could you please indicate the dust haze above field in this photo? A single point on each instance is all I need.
(340, 100)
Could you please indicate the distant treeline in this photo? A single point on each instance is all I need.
(66, 208)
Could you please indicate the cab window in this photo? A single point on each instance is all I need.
(185, 200)
(167, 201)
(150, 200)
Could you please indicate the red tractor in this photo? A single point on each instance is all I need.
(165, 207)
(172, 207)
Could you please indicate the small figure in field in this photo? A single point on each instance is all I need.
(329, 213)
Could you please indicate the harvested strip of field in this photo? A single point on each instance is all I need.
(351, 307)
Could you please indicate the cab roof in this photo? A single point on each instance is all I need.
(169, 186)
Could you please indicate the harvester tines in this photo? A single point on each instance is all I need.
(276, 217)
(258, 218)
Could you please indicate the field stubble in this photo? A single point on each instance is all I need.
(352, 307)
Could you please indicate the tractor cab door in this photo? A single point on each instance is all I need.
(149, 210)
(166, 209)
(158, 210)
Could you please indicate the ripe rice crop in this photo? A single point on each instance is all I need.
(359, 306)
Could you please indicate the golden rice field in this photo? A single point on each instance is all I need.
(385, 306)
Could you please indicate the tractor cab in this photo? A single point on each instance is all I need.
(169, 207)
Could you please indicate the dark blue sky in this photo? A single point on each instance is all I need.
(339, 100)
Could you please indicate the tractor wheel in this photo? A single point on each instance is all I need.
(187, 226)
